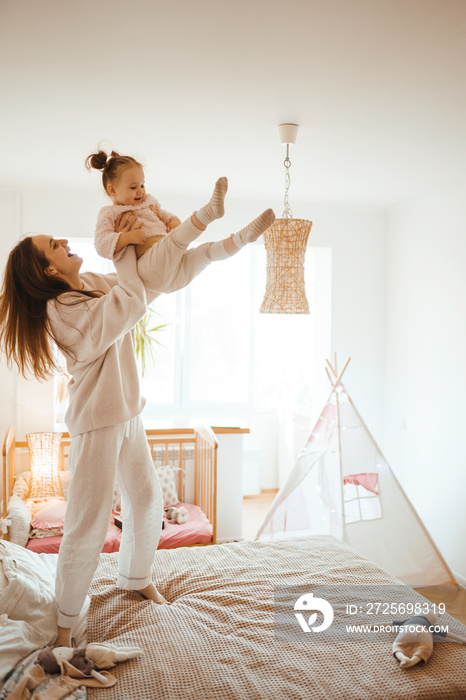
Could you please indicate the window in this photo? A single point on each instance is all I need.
(361, 497)
(218, 357)
(204, 360)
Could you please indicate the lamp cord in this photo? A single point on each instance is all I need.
(287, 213)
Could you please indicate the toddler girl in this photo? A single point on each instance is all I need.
(160, 239)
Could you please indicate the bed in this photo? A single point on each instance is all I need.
(186, 464)
(231, 630)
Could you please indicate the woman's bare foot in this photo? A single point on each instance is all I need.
(151, 593)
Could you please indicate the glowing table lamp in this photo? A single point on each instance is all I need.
(44, 453)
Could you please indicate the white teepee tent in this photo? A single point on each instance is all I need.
(342, 485)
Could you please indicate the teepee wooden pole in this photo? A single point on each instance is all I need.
(338, 379)
(329, 377)
(335, 372)
(332, 368)
(340, 460)
(344, 368)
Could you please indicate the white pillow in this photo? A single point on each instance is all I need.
(21, 485)
(20, 517)
(167, 480)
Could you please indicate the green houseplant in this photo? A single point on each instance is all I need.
(146, 340)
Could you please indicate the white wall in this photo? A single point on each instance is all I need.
(357, 237)
(425, 370)
(26, 403)
(10, 208)
(355, 234)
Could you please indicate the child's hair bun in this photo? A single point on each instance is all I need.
(98, 161)
(109, 165)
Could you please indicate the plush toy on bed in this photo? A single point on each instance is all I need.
(85, 659)
(77, 667)
(415, 640)
(52, 660)
(176, 515)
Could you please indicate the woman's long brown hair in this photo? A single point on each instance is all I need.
(25, 334)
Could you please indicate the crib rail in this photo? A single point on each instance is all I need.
(182, 448)
(8, 472)
(206, 474)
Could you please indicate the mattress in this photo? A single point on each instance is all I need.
(225, 636)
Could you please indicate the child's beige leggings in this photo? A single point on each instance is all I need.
(97, 459)
(167, 266)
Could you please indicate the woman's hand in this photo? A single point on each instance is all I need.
(130, 231)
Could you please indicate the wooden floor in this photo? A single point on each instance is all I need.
(255, 509)
(453, 598)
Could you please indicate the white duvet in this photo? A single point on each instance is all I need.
(28, 615)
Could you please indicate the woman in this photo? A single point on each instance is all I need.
(90, 317)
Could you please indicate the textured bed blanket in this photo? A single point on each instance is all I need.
(221, 636)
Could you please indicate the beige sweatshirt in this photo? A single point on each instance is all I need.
(99, 336)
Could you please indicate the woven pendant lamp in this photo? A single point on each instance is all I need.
(285, 243)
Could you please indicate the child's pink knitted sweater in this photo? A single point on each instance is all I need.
(150, 214)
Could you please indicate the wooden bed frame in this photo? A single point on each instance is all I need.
(171, 444)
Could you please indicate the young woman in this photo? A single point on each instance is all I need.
(90, 317)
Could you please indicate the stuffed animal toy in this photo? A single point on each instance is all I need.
(104, 655)
(77, 668)
(415, 640)
(52, 658)
(176, 515)
(85, 659)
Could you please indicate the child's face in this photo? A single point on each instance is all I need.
(129, 188)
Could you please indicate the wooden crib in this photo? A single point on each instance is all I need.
(193, 451)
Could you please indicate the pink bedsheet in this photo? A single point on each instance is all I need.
(198, 530)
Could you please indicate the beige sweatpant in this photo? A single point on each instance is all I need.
(97, 459)
(168, 266)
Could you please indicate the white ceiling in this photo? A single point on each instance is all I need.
(197, 89)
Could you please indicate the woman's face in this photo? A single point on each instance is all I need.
(62, 262)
